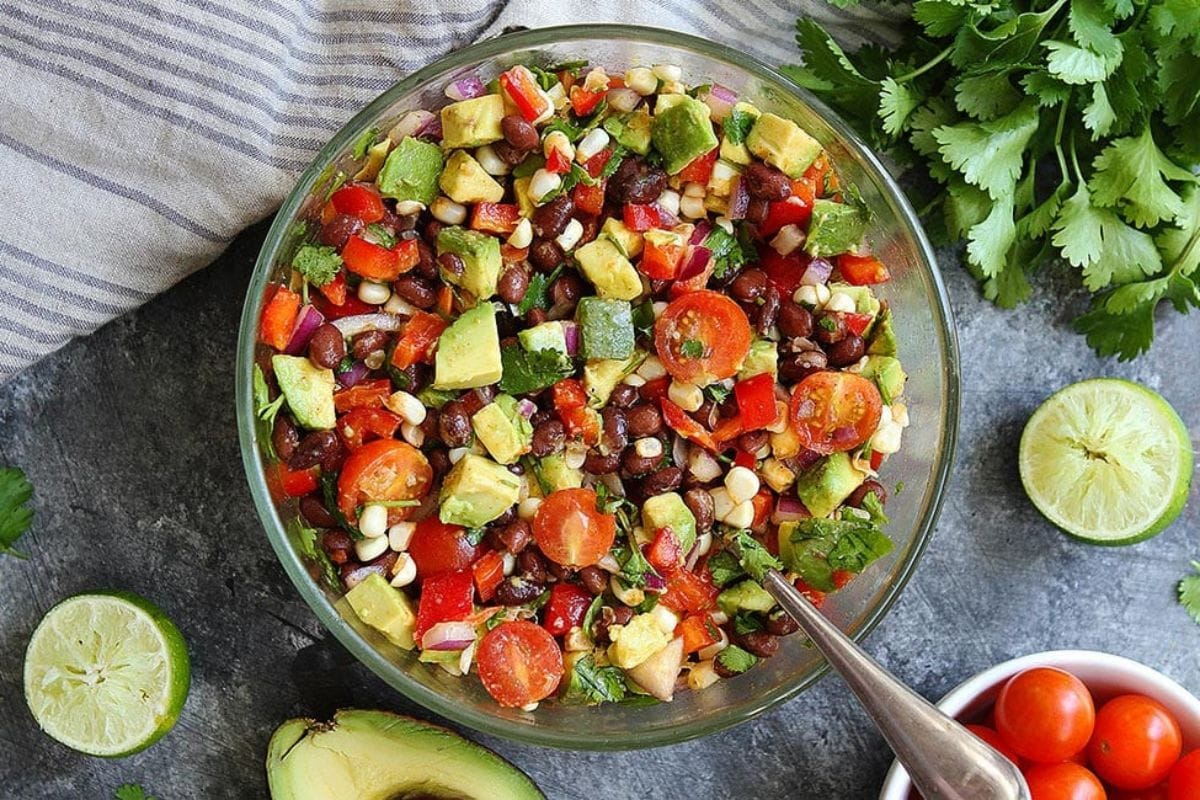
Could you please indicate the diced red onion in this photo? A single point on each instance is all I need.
(361, 323)
(432, 129)
(613, 481)
(306, 325)
(724, 93)
(817, 273)
(571, 335)
(678, 450)
(353, 375)
(655, 582)
(465, 88)
(448, 636)
(739, 200)
(703, 227)
(720, 100)
(413, 123)
(789, 509)
(623, 99)
(693, 555)
(608, 562)
(665, 218)
(526, 407)
(695, 262)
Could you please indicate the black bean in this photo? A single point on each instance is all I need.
(756, 211)
(753, 441)
(519, 132)
(432, 229)
(318, 447)
(830, 327)
(594, 579)
(454, 424)
(847, 351)
(545, 255)
(548, 438)
(616, 429)
(566, 291)
(623, 396)
(532, 564)
(701, 504)
(550, 219)
(327, 348)
(284, 438)
(766, 183)
(451, 264)
(368, 342)
(507, 153)
(795, 320)
(780, 624)
(635, 181)
(335, 232)
(637, 465)
(514, 283)
(517, 591)
(416, 290)
(759, 643)
(315, 513)
(665, 480)
(426, 260)
(798, 366)
(870, 485)
(439, 462)
(597, 464)
(338, 546)
(515, 536)
(768, 312)
(643, 420)
(749, 285)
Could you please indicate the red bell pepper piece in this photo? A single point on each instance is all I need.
(557, 162)
(698, 632)
(335, 290)
(876, 459)
(841, 577)
(359, 200)
(814, 596)
(655, 389)
(370, 260)
(365, 394)
(513, 255)
(358, 424)
(595, 165)
(641, 217)
(566, 608)
(700, 169)
(570, 401)
(488, 572)
(408, 254)
(495, 217)
(756, 401)
(857, 323)
(819, 180)
(568, 393)
(350, 306)
(793, 211)
(417, 343)
(589, 199)
(743, 459)
(279, 317)
(661, 261)
(727, 430)
(664, 551)
(298, 483)
(689, 592)
(685, 426)
(522, 88)
(862, 270)
(445, 303)
(784, 272)
(762, 502)
(444, 598)
(584, 102)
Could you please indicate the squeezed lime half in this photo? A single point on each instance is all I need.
(106, 674)
(1107, 460)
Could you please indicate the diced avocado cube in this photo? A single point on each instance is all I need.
(601, 377)
(637, 641)
(669, 511)
(682, 132)
(474, 122)
(554, 473)
(468, 352)
(373, 161)
(384, 608)
(670, 100)
(783, 144)
(411, 171)
(823, 486)
(762, 357)
(308, 390)
(665, 240)
(481, 260)
(865, 301)
(745, 596)
(605, 328)
(476, 491)
(630, 241)
(735, 130)
(503, 430)
(546, 336)
(525, 203)
(465, 181)
(631, 130)
(888, 376)
(883, 335)
(735, 153)
(834, 228)
(608, 270)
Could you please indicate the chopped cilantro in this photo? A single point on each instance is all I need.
(526, 372)
(15, 516)
(737, 125)
(329, 492)
(874, 506)
(435, 398)
(619, 152)
(380, 235)
(363, 143)
(729, 252)
(545, 77)
(307, 541)
(1189, 592)
(692, 348)
(745, 622)
(827, 322)
(319, 264)
(634, 566)
(717, 392)
(589, 617)
(821, 547)
(735, 659)
(593, 684)
(538, 293)
(132, 791)
(573, 132)
(753, 557)
(473, 536)
(724, 568)
(643, 317)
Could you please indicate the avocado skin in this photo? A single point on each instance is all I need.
(310, 760)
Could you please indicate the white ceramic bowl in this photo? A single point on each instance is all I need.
(1105, 675)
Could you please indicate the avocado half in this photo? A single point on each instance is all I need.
(376, 755)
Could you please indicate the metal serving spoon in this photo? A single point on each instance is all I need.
(944, 759)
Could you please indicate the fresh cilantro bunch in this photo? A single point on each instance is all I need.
(15, 515)
(1052, 128)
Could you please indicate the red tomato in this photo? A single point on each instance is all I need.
(297, 483)
(833, 412)
(495, 217)
(876, 460)
(856, 323)
(359, 200)
(595, 165)
(1135, 743)
(570, 530)
(862, 270)
(1064, 781)
(814, 596)
(784, 272)
(383, 470)
(356, 425)
(279, 317)
(566, 607)
(519, 663)
(792, 211)
(817, 181)
(698, 632)
(589, 199)
(664, 552)
(568, 393)
(1045, 714)
(1153, 793)
(417, 343)
(756, 401)
(438, 547)
(661, 261)
(370, 260)
(641, 217)
(522, 88)
(685, 426)
(335, 290)
(488, 572)
(997, 743)
(689, 592)
(1184, 783)
(700, 169)
(444, 598)
(570, 402)
(364, 394)
(763, 502)
(702, 337)
(584, 102)
(558, 163)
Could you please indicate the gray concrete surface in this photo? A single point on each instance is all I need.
(129, 438)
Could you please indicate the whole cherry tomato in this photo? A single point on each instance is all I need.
(1064, 781)
(1184, 783)
(1045, 714)
(1136, 742)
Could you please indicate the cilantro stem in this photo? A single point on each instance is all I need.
(1058, 133)
(933, 62)
(1075, 162)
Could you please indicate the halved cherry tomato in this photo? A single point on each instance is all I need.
(664, 552)
(833, 412)
(356, 425)
(595, 165)
(1184, 783)
(359, 200)
(488, 572)
(370, 260)
(279, 317)
(584, 102)
(566, 607)
(519, 663)
(784, 272)
(698, 632)
(689, 592)
(570, 530)
(699, 169)
(297, 483)
(702, 337)
(416, 344)
(641, 217)
(589, 199)
(437, 547)
(382, 470)
(558, 163)
(1045, 714)
(756, 401)
(335, 290)
(1063, 781)
(685, 426)
(364, 394)
(495, 217)
(856, 323)
(1135, 743)
(996, 741)
(792, 211)
(444, 598)
(862, 270)
(522, 88)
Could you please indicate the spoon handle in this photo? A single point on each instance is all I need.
(944, 759)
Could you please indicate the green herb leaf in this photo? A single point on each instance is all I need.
(989, 154)
(15, 516)
(526, 372)
(319, 264)
(329, 492)
(725, 568)
(897, 102)
(692, 348)
(1189, 592)
(380, 235)
(308, 543)
(1132, 173)
(729, 253)
(737, 125)
(132, 791)
(735, 659)
(593, 685)
(754, 558)
(821, 547)
(538, 293)
(1102, 244)
(363, 143)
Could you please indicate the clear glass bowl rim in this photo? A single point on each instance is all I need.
(362, 650)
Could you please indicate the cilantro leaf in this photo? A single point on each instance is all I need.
(735, 659)
(897, 102)
(1189, 592)
(132, 791)
(989, 240)
(307, 542)
(753, 557)
(1130, 172)
(525, 371)
(380, 235)
(15, 516)
(1102, 244)
(989, 154)
(1091, 25)
(537, 295)
(729, 253)
(592, 684)
(1099, 116)
(1075, 65)
(692, 348)
(821, 547)
(1123, 335)
(724, 568)
(986, 96)
(318, 263)
(737, 125)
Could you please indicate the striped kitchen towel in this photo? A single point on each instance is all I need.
(137, 137)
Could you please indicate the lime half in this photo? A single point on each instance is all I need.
(106, 674)
(1107, 460)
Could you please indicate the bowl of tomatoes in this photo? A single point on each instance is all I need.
(1082, 725)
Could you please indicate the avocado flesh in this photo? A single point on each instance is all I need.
(823, 486)
(375, 755)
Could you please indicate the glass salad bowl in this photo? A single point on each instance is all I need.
(927, 346)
